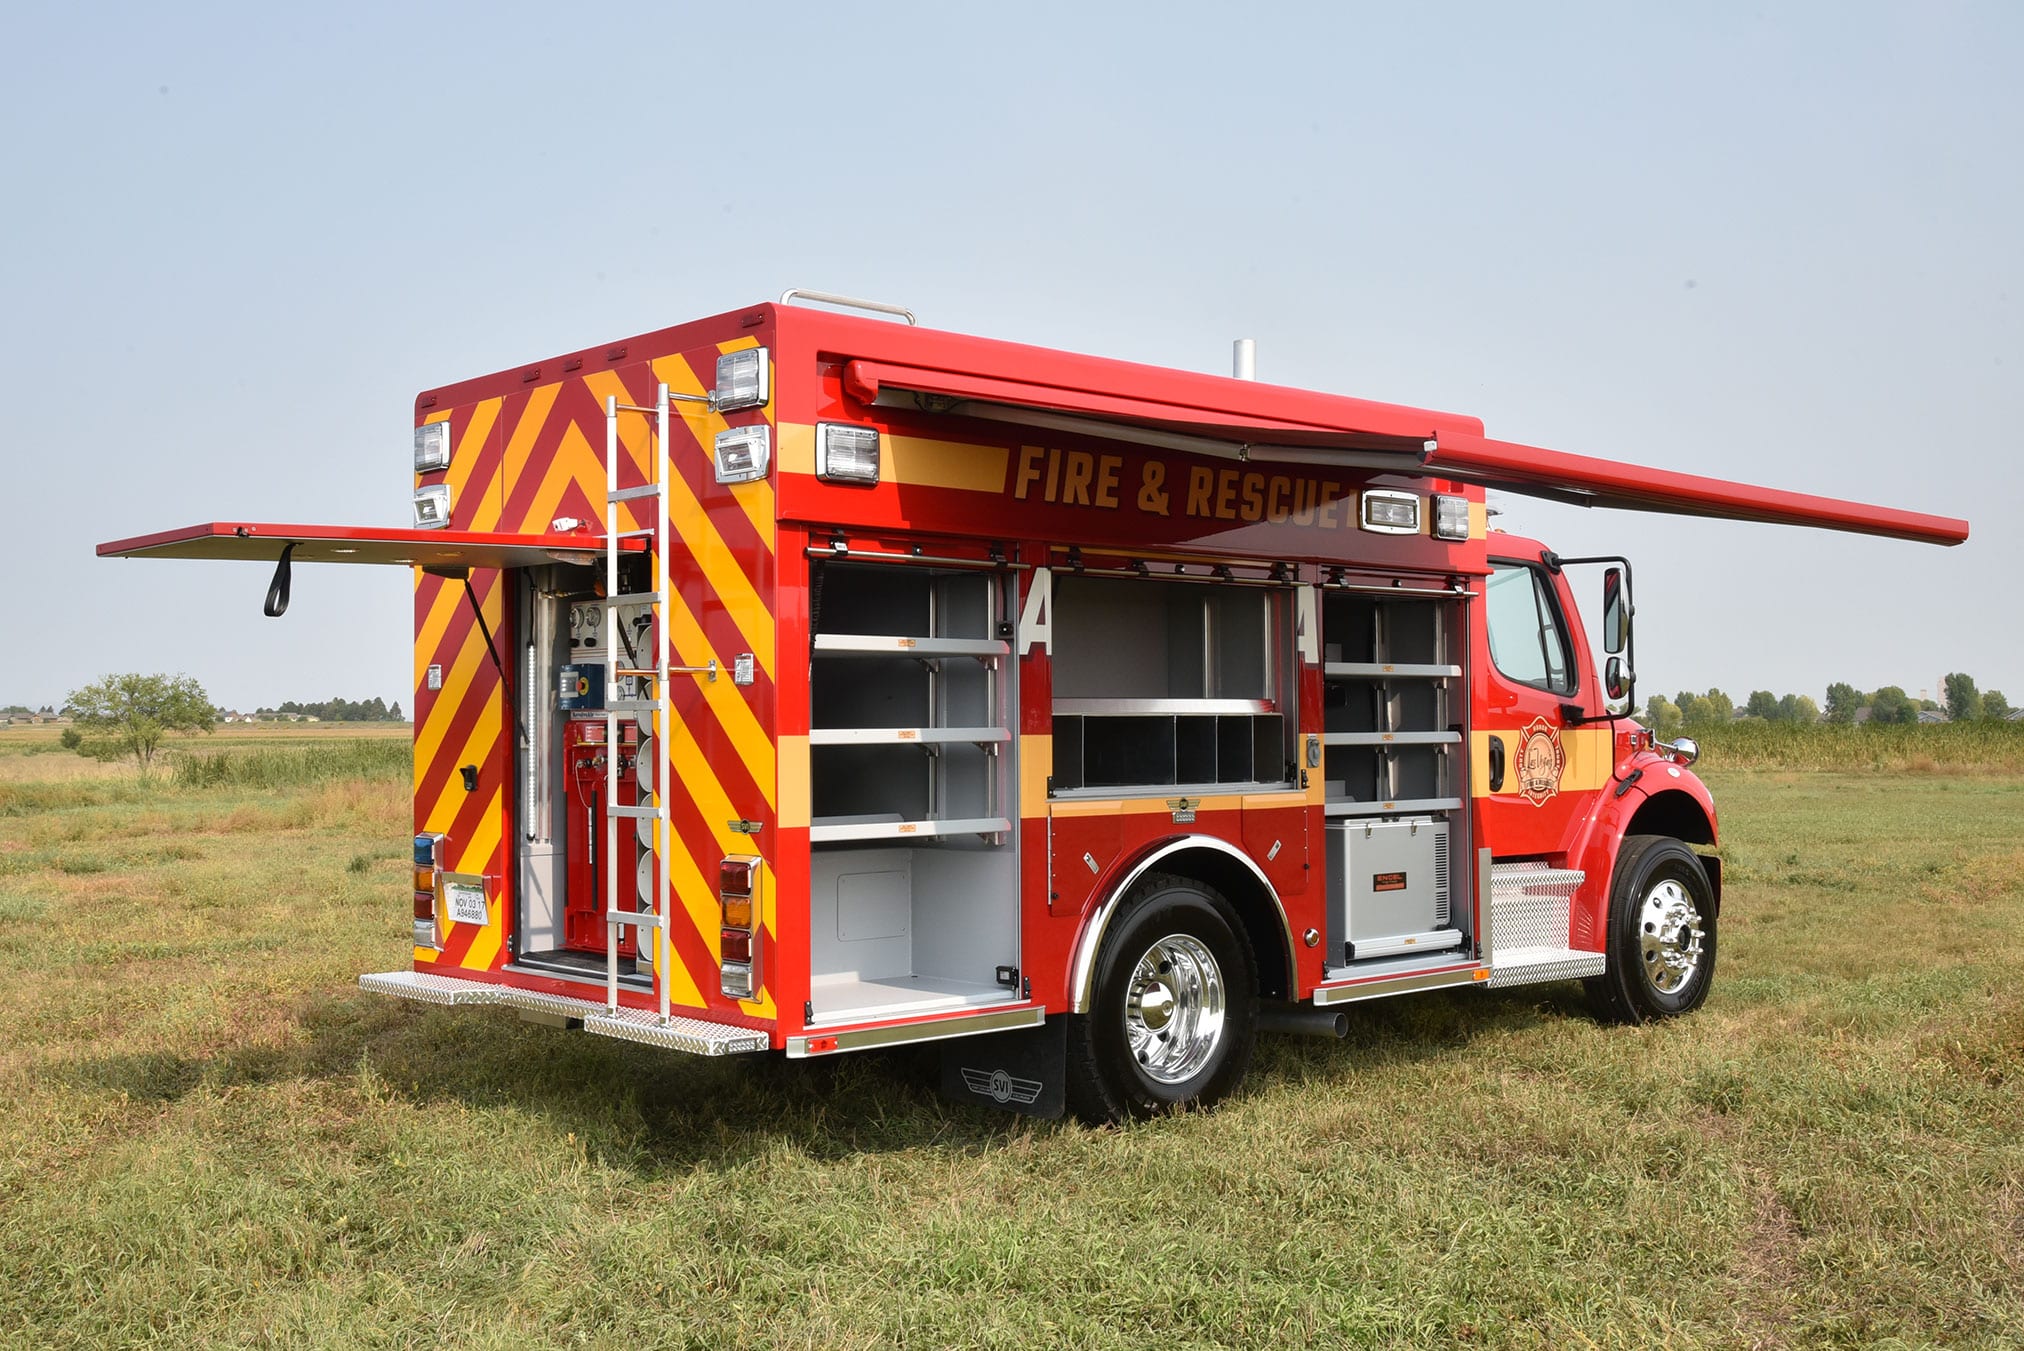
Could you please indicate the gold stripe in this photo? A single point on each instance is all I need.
(1159, 806)
(1479, 520)
(915, 461)
(792, 812)
(1265, 802)
(1590, 751)
(734, 590)
(1036, 763)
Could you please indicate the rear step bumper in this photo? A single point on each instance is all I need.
(693, 1035)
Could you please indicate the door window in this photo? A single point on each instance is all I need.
(1528, 637)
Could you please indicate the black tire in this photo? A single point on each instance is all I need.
(1661, 933)
(1145, 1046)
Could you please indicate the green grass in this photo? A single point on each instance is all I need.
(208, 1134)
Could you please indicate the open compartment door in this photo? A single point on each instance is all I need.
(450, 553)
(263, 542)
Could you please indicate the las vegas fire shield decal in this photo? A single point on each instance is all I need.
(1540, 761)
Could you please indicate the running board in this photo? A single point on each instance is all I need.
(1529, 908)
(695, 1036)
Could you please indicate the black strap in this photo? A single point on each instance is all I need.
(277, 590)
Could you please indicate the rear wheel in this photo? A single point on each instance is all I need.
(1173, 1009)
(1661, 933)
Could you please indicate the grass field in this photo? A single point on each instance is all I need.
(208, 1134)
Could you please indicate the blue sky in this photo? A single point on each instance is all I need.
(1775, 243)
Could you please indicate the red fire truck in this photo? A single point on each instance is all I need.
(810, 681)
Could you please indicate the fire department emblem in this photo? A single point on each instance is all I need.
(1540, 761)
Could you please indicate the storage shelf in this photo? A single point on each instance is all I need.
(819, 833)
(1383, 670)
(1157, 708)
(1391, 738)
(894, 645)
(1401, 807)
(905, 736)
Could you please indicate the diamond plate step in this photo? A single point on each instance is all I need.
(692, 1035)
(424, 988)
(677, 1034)
(1529, 966)
(1529, 908)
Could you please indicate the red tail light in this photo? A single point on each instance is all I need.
(737, 950)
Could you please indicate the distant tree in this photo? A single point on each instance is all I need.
(1964, 701)
(1798, 708)
(1892, 705)
(1994, 706)
(394, 713)
(1724, 707)
(22, 709)
(1842, 701)
(124, 715)
(1763, 704)
(71, 738)
(1695, 710)
(1664, 716)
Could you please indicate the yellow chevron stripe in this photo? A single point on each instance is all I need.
(540, 401)
(457, 676)
(754, 499)
(692, 767)
(699, 902)
(468, 452)
(429, 634)
(686, 516)
(685, 635)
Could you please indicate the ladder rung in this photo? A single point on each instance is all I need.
(632, 706)
(631, 494)
(639, 919)
(635, 598)
(634, 813)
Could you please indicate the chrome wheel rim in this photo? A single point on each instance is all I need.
(1669, 936)
(1175, 1009)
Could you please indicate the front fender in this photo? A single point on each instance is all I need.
(1649, 795)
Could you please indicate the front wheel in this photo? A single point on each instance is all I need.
(1174, 1007)
(1661, 933)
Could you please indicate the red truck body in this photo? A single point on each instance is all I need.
(1108, 710)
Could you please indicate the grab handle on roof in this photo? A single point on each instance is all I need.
(793, 293)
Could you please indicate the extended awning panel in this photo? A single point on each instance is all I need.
(1237, 419)
(264, 542)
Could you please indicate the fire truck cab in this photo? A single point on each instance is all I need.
(809, 681)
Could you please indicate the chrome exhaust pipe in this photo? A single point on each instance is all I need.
(1305, 1020)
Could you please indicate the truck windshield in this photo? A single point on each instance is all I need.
(1528, 639)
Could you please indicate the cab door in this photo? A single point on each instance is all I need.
(1535, 766)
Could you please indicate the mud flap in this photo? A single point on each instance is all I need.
(1024, 1071)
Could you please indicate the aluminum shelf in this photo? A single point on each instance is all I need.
(906, 830)
(895, 645)
(906, 736)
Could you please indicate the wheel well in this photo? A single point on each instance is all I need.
(1672, 813)
(1256, 908)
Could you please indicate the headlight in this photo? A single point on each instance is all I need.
(432, 507)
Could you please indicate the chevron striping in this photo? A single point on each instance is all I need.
(735, 591)
(733, 714)
(754, 499)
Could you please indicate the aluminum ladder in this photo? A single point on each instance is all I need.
(620, 697)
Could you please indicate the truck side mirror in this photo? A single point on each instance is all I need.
(1616, 681)
(1615, 614)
